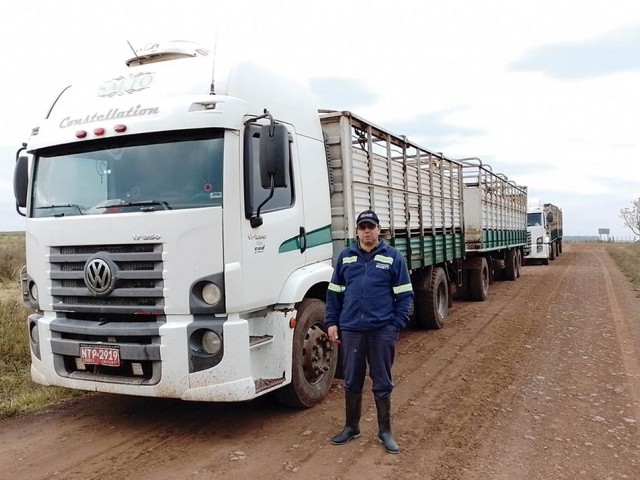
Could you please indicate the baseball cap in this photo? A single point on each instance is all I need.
(368, 216)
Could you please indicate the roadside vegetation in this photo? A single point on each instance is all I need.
(627, 258)
(18, 394)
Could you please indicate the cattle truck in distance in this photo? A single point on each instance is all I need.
(182, 216)
(544, 232)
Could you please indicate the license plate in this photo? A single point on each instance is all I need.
(100, 355)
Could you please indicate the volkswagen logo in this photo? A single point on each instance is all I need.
(100, 275)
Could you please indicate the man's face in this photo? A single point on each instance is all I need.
(368, 234)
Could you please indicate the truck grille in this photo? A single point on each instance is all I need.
(138, 287)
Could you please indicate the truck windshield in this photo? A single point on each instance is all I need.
(534, 219)
(151, 172)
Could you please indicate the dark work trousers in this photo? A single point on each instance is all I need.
(374, 347)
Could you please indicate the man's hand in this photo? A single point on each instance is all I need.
(332, 331)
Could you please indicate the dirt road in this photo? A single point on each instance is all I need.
(542, 381)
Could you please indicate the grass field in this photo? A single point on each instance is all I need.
(18, 394)
(627, 258)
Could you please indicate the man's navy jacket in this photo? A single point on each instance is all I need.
(369, 290)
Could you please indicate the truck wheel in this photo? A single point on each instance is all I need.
(432, 304)
(511, 265)
(518, 262)
(559, 247)
(552, 251)
(478, 278)
(544, 261)
(314, 358)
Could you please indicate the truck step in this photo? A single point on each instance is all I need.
(255, 340)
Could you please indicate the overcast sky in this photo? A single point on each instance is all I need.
(546, 92)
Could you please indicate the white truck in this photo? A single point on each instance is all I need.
(544, 232)
(182, 220)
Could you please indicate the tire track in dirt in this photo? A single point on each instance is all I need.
(443, 372)
(628, 352)
(457, 391)
(473, 397)
(569, 417)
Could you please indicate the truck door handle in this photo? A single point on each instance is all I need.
(302, 239)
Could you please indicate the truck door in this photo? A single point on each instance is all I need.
(274, 249)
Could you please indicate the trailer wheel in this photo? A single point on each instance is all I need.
(478, 277)
(432, 304)
(511, 265)
(314, 358)
(519, 262)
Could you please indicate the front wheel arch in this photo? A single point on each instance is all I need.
(314, 358)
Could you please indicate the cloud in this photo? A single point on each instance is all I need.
(432, 130)
(342, 93)
(616, 52)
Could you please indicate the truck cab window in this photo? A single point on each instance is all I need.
(167, 171)
(534, 219)
(254, 194)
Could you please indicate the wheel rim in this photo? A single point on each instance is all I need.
(485, 279)
(316, 354)
(443, 301)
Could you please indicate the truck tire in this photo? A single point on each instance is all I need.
(544, 261)
(314, 359)
(559, 247)
(432, 303)
(552, 251)
(478, 278)
(519, 262)
(511, 265)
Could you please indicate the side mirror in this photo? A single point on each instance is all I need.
(21, 181)
(274, 155)
(549, 217)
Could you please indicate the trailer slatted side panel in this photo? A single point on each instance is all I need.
(417, 194)
(495, 209)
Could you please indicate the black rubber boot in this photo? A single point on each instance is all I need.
(383, 405)
(353, 410)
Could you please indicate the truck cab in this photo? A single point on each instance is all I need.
(178, 232)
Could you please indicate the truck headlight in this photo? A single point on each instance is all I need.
(33, 291)
(211, 293)
(206, 295)
(211, 342)
(33, 332)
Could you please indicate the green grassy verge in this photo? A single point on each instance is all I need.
(627, 258)
(18, 394)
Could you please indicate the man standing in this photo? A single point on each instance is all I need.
(368, 302)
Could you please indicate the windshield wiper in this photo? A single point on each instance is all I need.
(61, 214)
(145, 205)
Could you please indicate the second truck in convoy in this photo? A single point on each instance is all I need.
(181, 228)
(544, 232)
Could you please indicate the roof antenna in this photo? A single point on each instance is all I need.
(134, 52)
(213, 68)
